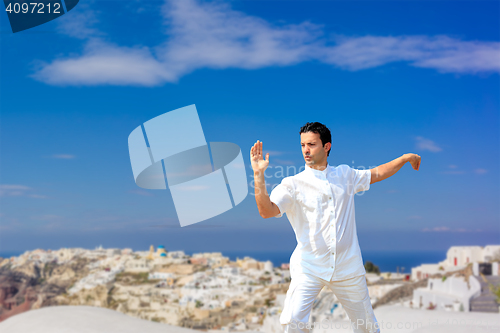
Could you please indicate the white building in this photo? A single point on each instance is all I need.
(463, 255)
(127, 251)
(65, 255)
(268, 266)
(214, 259)
(94, 279)
(176, 254)
(457, 258)
(160, 276)
(113, 252)
(451, 294)
(138, 265)
(207, 255)
(491, 252)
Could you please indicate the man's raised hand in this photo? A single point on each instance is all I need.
(414, 160)
(258, 162)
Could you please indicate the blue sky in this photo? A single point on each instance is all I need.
(386, 77)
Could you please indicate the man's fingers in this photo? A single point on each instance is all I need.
(267, 157)
(256, 150)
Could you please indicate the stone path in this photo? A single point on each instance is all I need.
(486, 302)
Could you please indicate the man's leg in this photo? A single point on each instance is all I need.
(354, 297)
(298, 303)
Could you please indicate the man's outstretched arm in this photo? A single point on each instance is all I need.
(266, 207)
(388, 169)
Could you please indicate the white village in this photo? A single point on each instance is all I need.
(209, 292)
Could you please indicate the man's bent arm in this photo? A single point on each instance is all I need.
(386, 170)
(266, 207)
(259, 165)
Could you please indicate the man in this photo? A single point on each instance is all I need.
(319, 203)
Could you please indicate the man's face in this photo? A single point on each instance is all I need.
(313, 150)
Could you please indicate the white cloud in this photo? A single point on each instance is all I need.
(46, 217)
(436, 229)
(14, 187)
(480, 171)
(453, 172)
(445, 54)
(80, 23)
(13, 190)
(426, 144)
(37, 196)
(447, 229)
(63, 156)
(212, 35)
(106, 64)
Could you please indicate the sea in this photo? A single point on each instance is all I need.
(387, 261)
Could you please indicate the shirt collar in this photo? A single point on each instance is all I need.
(318, 173)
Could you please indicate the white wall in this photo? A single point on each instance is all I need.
(447, 293)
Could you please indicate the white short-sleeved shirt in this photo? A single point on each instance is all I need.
(320, 208)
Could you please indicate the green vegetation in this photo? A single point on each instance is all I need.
(371, 268)
(134, 278)
(264, 280)
(496, 291)
(112, 303)
(199, 304)
(443, 279)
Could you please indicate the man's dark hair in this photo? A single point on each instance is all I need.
(318, 128)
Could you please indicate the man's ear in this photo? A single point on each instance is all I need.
(328, 146)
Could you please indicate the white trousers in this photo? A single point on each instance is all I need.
(351, 293)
